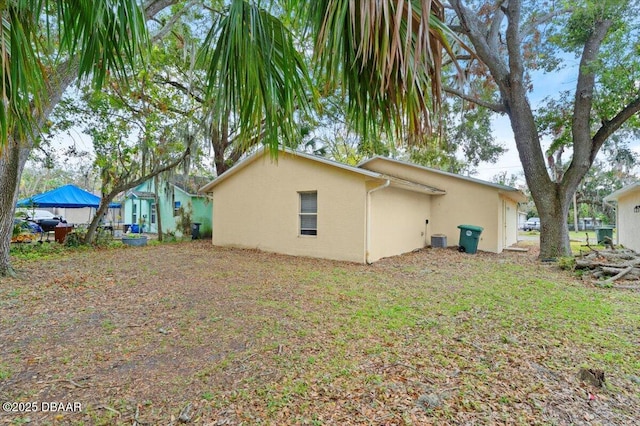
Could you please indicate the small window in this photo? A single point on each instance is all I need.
(134, 213)
(308, 213)
(153, 213)
(176, 208)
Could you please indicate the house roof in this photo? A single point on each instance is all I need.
(508, 189)
(393, 181)
(189, 184)
(614, 196)
(143, 195)
(186, 183)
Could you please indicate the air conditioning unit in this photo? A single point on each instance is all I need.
(438, 241)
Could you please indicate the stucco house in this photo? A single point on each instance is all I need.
(305, 205)
(627, 215)
(176, 195)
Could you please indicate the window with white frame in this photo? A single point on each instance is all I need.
(134, 212)
(309, 213)
(153, 212)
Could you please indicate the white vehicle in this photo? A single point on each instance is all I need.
(533, 224)
(36, 215)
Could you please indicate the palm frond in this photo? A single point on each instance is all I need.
(387, 56)
(107, 35)
(20, 71)
(260, 77)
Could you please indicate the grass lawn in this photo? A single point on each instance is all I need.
(222, 336)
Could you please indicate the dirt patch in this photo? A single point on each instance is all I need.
(218, 336)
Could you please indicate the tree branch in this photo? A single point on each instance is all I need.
(492, 106)
(182, 88)
(169, 25)
(583, 103)
(493, 34)
(472, 27)
(610, 126)
(153, 7)
(531, 26)
(516, 64)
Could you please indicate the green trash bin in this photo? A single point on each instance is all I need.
(469, 237)
(604, 231)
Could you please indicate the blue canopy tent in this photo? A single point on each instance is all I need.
(79, 205)
(68, 196)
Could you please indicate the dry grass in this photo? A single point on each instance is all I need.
(143, 335)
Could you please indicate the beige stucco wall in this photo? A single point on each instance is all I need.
(628, 220)
(397, 222)
(258, 207)
(465, 203)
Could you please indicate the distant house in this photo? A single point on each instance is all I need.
(522, 219)
(588, 223)
(177, 197)
(305, 205)
(627, 215)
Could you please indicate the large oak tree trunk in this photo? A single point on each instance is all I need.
(552, 199)
(554, 230)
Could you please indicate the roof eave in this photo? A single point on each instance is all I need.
(516, 195)
(253, 157)
(616, 194)
(412, 186)
(441, 172)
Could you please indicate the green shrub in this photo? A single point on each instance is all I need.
(75, 238)
(567, 263)
(184, 222)
(205, 232)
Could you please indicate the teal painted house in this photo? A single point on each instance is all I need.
(177, 200)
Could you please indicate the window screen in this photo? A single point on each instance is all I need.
(153, 213)
(308, 213)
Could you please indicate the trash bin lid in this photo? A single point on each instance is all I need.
(604, 227)
(471, 227)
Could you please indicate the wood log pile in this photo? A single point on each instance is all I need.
(611, 266)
